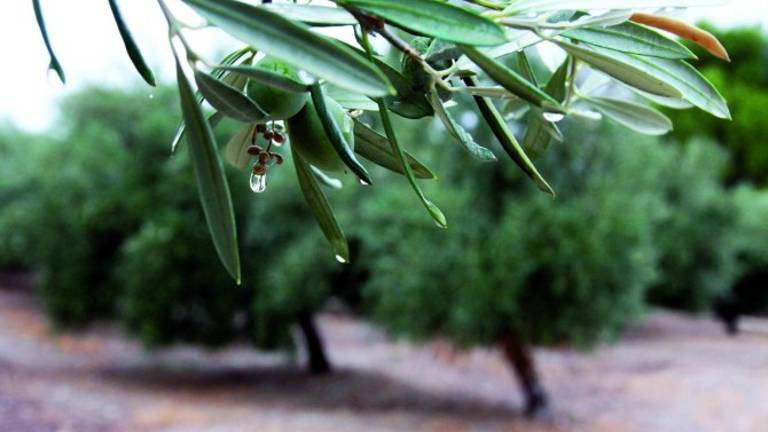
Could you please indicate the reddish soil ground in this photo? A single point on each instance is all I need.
(672, 373)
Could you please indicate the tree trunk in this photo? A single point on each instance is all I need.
(317, 361)
(728, 312)
(520, 357)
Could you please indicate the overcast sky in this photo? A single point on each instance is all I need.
(90, 49)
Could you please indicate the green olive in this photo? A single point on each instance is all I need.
(279, 104)
(310, 141)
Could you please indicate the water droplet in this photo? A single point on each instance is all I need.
(341, 259)
(258, 183)
(363, 182)
(151, 95)
(553, 117)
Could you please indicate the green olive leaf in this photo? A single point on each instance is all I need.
(130, 45)
(350, 100)
(434, 211)
(512, 81)
(541, 132)
(681, 76)
(325, 179)
(631, 38)
(211, 182)
(521, 6)
(435, 18)
(507, 139)
(623, 68)
(214, 119)
(376, 148)
(295, 44)
(54, 64)
(267, 77)
(236, 150)
(640, 118)
(465, 138)
(318, 203)
(227, 99)
(313, 15)
(333, 132)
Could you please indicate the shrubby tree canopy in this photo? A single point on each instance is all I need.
(291, 83)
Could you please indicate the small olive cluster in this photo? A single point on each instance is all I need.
(266, 157)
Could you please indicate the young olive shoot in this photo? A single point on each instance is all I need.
(290, 84)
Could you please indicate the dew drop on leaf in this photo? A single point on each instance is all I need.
(341, 259)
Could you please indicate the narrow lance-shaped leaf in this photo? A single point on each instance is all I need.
(377, 149)
(462, 136)
(681, 76)
(435, 18)
(314, 15)
(236, 150)
(350, 100)
(541, 132)
(520, 6)
(294, 44)
(334, 135)
(631, 38)
(211, 181)
(507, 139)
(267, 77)
(434, 210)
(640, 118)
(634, 73)
(130, 45)
(54, 64)
(228, 100)
(512, 81)
(325, 179)
(318, 203)
(214, 119)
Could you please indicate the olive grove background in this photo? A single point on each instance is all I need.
(111, 228)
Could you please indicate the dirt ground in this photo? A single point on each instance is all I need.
(672, 373)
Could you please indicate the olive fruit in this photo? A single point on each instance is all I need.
(279, 104)
(308, 137)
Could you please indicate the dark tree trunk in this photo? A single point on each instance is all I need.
(317, 361)
(728, 312)
(520, 357)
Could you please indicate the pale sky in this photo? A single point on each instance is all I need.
(90, 50)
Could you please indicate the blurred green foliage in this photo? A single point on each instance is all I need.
(744, 83)
(698, 256)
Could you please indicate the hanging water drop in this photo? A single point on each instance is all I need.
(258, 183)
(341, 259)
(363, 182)
(553, 117)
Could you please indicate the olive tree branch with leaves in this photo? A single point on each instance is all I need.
(291, 83)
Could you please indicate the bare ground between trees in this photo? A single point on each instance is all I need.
(672, 373)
